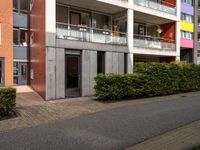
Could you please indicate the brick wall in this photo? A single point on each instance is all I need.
(6, 47)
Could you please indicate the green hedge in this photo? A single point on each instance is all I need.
(149, 79)
(7, 101)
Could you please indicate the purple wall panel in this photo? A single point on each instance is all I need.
(187, 9)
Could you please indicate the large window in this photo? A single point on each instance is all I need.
(190, 2)
(187, 35)
(20, 37)
(101, 21)
(186, 17)
(21, 6)
(61, 14)
(101, 62)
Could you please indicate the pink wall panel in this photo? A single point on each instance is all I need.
(187, 43)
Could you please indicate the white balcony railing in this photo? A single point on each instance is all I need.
(161, 7)
(154, 43)
(87, 34)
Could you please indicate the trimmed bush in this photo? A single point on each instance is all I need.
(149, 79)
(7, 101)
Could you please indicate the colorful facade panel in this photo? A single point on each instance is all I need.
(187, 26)
(185, 43)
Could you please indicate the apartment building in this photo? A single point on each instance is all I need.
(187, 30)
(73, 41)
(14, 42)
(58, 47)
(197, 31)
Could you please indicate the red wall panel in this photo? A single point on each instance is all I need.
(37, 52)
(169, 31)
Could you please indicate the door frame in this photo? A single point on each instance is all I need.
(74, 54)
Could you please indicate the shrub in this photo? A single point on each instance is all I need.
(150, 79)
(7, 101)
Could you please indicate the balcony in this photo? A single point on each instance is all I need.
(167, 8)
(88, 34)
(154, 43)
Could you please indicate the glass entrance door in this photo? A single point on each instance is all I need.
(72, 75)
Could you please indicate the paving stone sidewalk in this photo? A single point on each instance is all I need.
(184, 138)
(30, 116)
(57, 110)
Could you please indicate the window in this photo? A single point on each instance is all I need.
(0, 33)
(100, 62)
(189, 2)
(61, 14)
(1, 72)
(186, 35)
(186, 17)
(20, 37)
(125, 63)
(21, 6)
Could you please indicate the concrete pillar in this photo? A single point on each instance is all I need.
(196, 5)
(93, 70)
(130, 63)
(50, 22)
(178, 36)
(85, 73)
(108, 62)
(60, 73)
(89, 71)
(121, 63)
(130, 30)
(50, 73)
(115, 62)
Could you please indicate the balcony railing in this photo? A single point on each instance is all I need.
(154, 43)
(161, 7)
(87, 34)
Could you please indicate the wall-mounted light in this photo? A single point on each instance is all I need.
(159, 30)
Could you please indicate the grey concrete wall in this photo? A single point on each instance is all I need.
(50, 73)
(121, 63)
(114, 63)
(89, 71)
(70, 44)
(55, 73)
(60, 73)
(196, 31)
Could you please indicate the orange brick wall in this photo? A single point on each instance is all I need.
(6, 47)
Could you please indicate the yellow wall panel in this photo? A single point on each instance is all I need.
(186, 26)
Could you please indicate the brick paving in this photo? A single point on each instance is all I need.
(184, 138)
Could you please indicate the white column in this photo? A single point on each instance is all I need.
(130, 63)
(50, 22)
(178, 30)
(130, 33)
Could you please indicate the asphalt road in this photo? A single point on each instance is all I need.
(114, 129)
